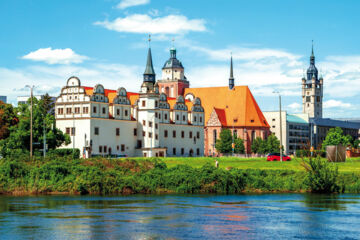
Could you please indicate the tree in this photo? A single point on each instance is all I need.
(356, 143)
(7, 119)
(223, 144)
(272, 144)
(335, 137)
(48, 104)
(239, 145)
(258, 146)
(19, 135)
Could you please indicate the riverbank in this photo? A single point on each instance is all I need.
(168, 175)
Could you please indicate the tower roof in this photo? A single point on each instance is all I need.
(149, 70)
(312, 70)
(231, 70)
(173, 62)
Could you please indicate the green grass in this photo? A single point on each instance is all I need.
(351, 165)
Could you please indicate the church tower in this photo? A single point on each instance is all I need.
(312, 90)
(173, 80)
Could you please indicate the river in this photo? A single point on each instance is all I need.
(248, 216)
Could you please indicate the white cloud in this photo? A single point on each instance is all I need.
(336, 104)
(131, 3)
(55, 56)
(50, 79)
(294, 107)
(142, 23)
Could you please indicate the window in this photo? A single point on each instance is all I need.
(273, 126)
(215, 136)
(139, 144)
(144, 122)
(60, 110)
(174, 151)
(126, 113)
(118, 147)
(118, 112)
(143, 103)
(156, 103)
(166, 133)
(190, 134)
(68, 110)
(273, 119)
(174, 134)
(100, 149)
(67, 131)
(318, 98)
(144, 133)
(104, 110)
(72, 131)
(156, 136)
(117, 131)
(201, 119)
(94, 109)
(150, 124)
(156, 126)
(77, 110)
(197, 135)
(96, 131)
(156, 114)
(122, 147)
(307, 98)
(194, 119)
(135, 132)
(177, 117)
(184, 118)
(105, 149)
(165, 116)
(182, 151)
(182, 134)
(252, 120)
(198, 151)
(150, 135)
(85, 110)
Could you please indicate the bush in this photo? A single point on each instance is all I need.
(65, 152)
(322, 176)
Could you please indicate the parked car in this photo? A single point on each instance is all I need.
(276, 157)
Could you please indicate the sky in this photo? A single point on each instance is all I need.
(44, 42)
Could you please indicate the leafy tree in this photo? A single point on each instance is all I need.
(48, 104)
(19, 135)
(259, 146)
(7, 119)
(223, 144)
(272, 144)
(239, 145)
(335, 137)
(356, 143)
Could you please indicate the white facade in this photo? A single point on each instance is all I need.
(108, 122)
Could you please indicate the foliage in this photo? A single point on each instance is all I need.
(239, 145)
(223, 144)
(322, 176)
(356, 143)
(65, 152)
(335, 136)
(270, 145)
(19, 137)
(307, 153)
(7, 119)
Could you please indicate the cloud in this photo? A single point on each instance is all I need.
(294, 107)
(336, 104)
(50, 79)
(55, 56)
(131, 3)
(143, 23)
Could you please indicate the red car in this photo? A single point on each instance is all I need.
(276, 157)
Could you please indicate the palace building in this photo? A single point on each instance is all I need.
(166, 118)
(116, 122)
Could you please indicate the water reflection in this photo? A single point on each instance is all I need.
(277, 216)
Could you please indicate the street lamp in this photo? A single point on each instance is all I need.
(280, 124)
(31, 119)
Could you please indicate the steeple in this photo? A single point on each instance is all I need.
(312, 70)
(231, 78)
(149, 74)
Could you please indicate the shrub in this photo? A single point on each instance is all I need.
(65, 152)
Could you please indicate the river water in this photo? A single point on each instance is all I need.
(261, 216)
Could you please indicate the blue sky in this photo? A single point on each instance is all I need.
(104, 41)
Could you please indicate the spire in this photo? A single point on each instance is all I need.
(231, 78)
(312, 48)
(149, 74)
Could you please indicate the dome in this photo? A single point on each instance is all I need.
(173, 62)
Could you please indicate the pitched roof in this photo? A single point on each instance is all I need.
(221, 116)
(238, 104)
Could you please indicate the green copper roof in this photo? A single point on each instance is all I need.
(149, 70)
(295, 119)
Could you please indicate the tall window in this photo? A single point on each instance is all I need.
(67, 131)
(96, 130)
(165, 116)
(182, 151)
(182, 134)
(68, 110)
(60, 110)
(143, 103)
(118, 112)
(117, 131)
(190, 134)
(184, 118)
(156, 126)
(103, 110)
(135, 132)
(174, 134)
(197, 135)
(122, 147)
(85, 110)
(126, 113)
(215, 136)
(94, 109)
(77, 110)
(100, 149)
(165, 133)
(72, 131)
(174, 151)
(253, 135)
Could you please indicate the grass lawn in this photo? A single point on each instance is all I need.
(351, 165)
